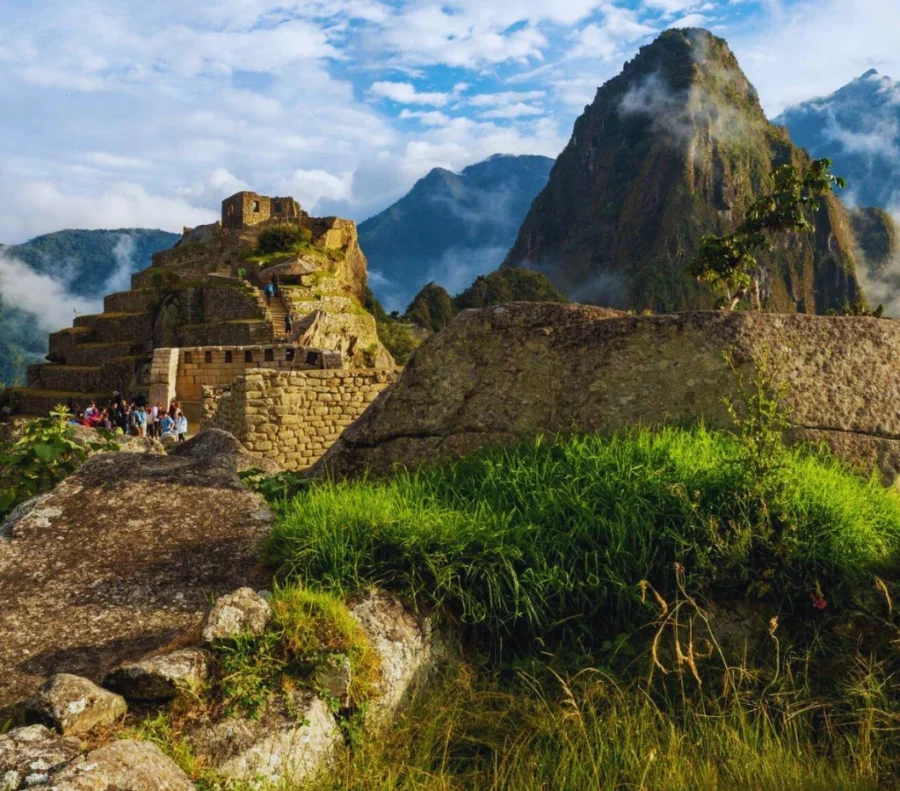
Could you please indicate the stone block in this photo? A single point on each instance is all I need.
(72, 704)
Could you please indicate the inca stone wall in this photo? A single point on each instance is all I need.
(292, 417)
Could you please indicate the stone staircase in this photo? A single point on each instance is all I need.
(278, 310)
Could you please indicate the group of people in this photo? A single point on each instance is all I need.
(135, 418)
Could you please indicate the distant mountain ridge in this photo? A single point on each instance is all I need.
(450, 227)
(675, 147)
(87, 263)
(858, 127)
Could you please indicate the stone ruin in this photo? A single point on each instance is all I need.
(197, 319)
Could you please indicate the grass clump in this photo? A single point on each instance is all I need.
(280, 238)
(548, 543)
(308, 631)
(589, 731)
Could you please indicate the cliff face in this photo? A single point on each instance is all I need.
(675, 147)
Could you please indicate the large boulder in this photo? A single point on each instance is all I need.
(162, 677)
(30, 756)
(72, 704)
(285, 743)
(214, 443)
(123, 766)
(504, 374)
(118, 562)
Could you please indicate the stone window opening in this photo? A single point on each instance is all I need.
(188, 357)
(269, 355)
(248, 356)
(277, 206)
(228, 357)
(312, 358)
(231, 210)
(256, 205)
(207, 357)
(289, 355)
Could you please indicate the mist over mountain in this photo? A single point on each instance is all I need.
(858, 127)
(450, 227)
(47, 280)
(675, 147)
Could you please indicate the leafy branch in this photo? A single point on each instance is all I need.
(729, 264)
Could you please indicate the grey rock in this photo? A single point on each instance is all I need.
(240, 612)
(123, 766)
(290, 744)
(72, 704)
(546, 369)
(18, 513)
(334, 678)
(31, 756)
(161, 677)
(410, 647)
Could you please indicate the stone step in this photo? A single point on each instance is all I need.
(26, 401)
(135, 301)
(68, 378)
(99, 353)
(64, 341)
(120, 327)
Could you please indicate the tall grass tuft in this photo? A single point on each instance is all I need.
(548, 543)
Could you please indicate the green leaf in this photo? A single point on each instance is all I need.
(45, 453)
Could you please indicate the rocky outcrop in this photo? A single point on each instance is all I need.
(35, 757)
(285, 743)
(161, 677)
(123, 766)
(118, 562)
(71, 704)
(242, 612)
(500, 375)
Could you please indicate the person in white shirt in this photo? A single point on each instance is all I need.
(181, 427)
(90, 411)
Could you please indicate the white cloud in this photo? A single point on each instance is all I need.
(46, 297)
(406, 93)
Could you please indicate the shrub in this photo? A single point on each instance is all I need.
(280, 238)
(45, 454)
(547, 543)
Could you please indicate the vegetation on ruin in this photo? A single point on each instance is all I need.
(41, 457)
(433, 308)
(281, 237)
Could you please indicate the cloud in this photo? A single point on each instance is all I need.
(45, 297)
(406, 93)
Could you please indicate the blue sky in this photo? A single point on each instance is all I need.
(122, 113)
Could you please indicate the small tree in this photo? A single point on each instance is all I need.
(728, 263)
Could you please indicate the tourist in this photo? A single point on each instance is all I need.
(181, 427)
(90, 411)
(173, 409)
(269, 291)
(166, 427)
(138, 422)
(105, 421)
(153, 423)
(288, 324)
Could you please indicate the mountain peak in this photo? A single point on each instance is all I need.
(673, 148)
(870, 73)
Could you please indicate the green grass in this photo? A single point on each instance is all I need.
(588, 732)
(308, 629)
(547, 544)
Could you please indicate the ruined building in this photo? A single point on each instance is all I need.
(197, 320)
